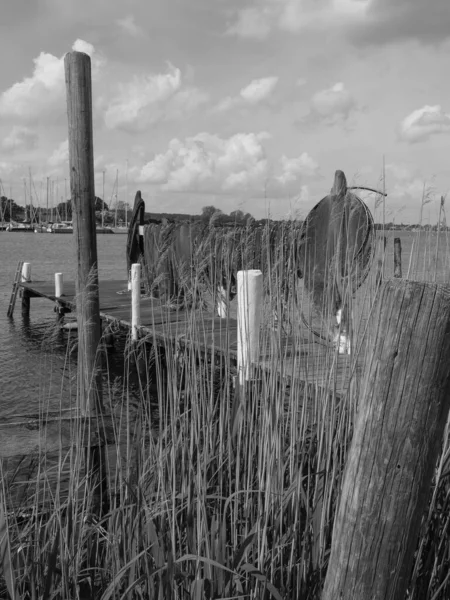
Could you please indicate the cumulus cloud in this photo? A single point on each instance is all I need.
(60, 155)
(41, 94)
(148, 99)
(294, 168)
(257, 91)
(20, 138)
(128, 25)
(332, 102)
(208, 163)
(263, 16)
(424, 122)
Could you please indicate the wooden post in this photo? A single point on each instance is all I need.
(26, 276)
(135, 301)
(397, 257)
(77, 67)
(222, 304)
(397, 439)
(26, 272)
(250, 297)
(59, 285)
(380, 265)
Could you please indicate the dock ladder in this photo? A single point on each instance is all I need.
(17, 279)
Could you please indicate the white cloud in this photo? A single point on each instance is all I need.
(20, 138)
(294, 168)
(129, 26)
(148, 99)
(264, 16)
(208, 163)
(257, 91)
(254, 22)
(60, 155)
(423, 123)
(41, 94)
(332, 103)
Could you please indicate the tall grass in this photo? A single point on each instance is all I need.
(216, 491)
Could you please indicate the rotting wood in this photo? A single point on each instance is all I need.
(397, 439)
(77, 66)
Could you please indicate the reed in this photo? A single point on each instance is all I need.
(213, 493)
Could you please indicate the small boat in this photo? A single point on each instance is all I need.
(63, 227)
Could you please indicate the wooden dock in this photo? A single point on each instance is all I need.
(299, 356)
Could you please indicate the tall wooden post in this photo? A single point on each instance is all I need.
(398, 436)
(397, 257)
(81, 162)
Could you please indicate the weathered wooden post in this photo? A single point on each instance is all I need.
(81, 163)
(250, 298)
(397, 439)
(26, 272)
(397, 257)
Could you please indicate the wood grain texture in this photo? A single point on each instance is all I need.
(403, 409)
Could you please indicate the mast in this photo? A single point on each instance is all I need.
(103, 200)
(117, 199)
(46, 212)
(65, 195)
(126, 197)
(31, 197)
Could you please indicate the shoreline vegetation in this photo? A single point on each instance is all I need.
(211, 494)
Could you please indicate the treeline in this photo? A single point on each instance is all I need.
(220, 218)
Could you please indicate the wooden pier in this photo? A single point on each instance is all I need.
(300, 356)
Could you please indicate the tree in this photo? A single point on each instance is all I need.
(9, 209)
(100, 204)
(239, 216)
(208, 211)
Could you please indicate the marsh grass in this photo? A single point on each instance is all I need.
(216, 491)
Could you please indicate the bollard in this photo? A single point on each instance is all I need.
(135, 301)
(26, 272)
(59, 285)
(250, 297)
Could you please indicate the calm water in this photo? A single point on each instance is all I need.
(37, 369)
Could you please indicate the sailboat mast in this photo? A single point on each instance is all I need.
(126, 198)
(103, 200)
(31, 196)
(117, 198)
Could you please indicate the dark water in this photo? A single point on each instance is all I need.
(37, 367)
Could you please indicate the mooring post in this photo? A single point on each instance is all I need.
(59, 285)
(397, 439)
(77, 67)
(26, 276)
(135, 301)
(397, 257)
(250, 299)
(26, 272)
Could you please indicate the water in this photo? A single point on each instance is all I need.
(37, 367)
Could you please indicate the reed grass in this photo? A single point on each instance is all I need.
(216, 491)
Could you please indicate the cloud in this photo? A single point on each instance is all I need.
(393, 20)
(294, 168)
(257, 91)
(331, 105)
(254, 22)
(423, 123)
(20, 138)
(147, 99)
(264, 16)
(208, 163)
(41, 94)
(60, 155)
(128, 25)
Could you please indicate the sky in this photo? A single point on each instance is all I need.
(242, 104)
